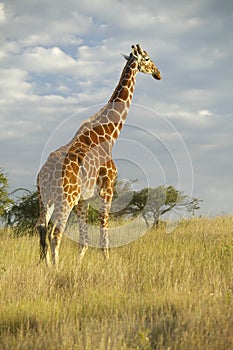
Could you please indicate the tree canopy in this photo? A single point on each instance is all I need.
(24, 213)
(152, 203)
(5, 200)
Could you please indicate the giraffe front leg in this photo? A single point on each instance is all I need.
(104, 217)
(107, 176)
(81, 210)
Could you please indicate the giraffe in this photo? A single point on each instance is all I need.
(70, 175)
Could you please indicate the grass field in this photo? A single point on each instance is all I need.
(164, 291)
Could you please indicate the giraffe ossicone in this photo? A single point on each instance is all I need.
(70, 174)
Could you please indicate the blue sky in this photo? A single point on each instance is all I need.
(60, 61)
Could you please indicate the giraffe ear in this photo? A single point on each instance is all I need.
(134, 51)
(126, 57)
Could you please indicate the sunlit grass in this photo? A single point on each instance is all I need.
(164, 291)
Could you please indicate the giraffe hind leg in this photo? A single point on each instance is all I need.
(55, 241)
(42, 228)
(60, 218)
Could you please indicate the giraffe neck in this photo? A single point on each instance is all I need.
(124, 90)
(122, 96)
(108, 122)
(113, 115)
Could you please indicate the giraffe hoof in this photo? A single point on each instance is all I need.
(82, 251)
(106, 253)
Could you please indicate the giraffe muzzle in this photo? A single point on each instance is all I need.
(157, 75)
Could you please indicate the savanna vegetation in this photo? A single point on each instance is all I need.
(149, 203)
(163, 291)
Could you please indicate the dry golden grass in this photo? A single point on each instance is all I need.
(164, 291)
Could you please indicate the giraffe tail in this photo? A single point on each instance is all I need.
(42, 229)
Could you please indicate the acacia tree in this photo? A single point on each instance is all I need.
(152, 203)
(24, 212)
(162, 200)
(5, 200)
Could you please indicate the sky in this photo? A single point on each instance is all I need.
(60, 62)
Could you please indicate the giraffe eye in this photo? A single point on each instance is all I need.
(147, 59)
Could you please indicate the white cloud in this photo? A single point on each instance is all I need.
(2, 12)
(202, 118)
(205, 113)
(33, 24)
(46, 60)
(13, 85)
(8, 48)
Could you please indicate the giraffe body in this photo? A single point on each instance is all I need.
(70, 175)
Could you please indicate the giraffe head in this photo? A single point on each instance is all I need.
(145, 64)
